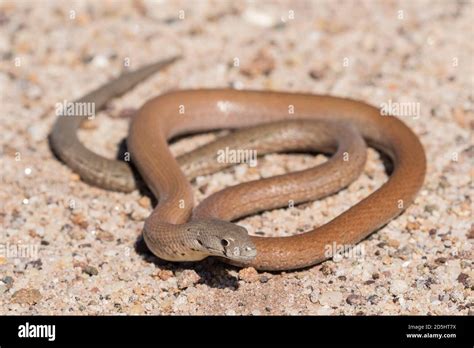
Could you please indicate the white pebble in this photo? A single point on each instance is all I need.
(261, 19)
(181, 300)
(240, 171)
(331, 298)
(453, 268)
(110, 253)
(314, 297)
(100, 61)
(398, 287)
(325, 310)
(38, 132)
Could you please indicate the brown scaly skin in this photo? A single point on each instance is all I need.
(166, 229)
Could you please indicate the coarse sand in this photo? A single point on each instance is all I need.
(70, 248)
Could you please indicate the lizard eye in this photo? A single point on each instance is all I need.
(224, 242)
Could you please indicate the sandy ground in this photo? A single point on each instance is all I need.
(69, 248)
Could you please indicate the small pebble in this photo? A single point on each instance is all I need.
(398, 287)
(470, 234)
(413, 226)
(100, 61)
(461, 117)
(330, 298)
(393, 243)
(164, 274)
(326, 269)
(26, 296)
(80, 220)
(8, 281)
(90, 270)
(386, 260)
(104, 236)
(325, 310)
(248, 275)
(431, 208)
(259, 18)
(136, 309)
(144, 202)
(316, 74)
(188, 278)
(463, 278)
(300, 275)
(262, 64)
(139, 214)
(74, 177)
(355, 299)
(373, 299)
(89, 124)
(314, 297)
(203, 188)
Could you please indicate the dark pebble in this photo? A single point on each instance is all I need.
(441, 260)
(90, 270)
(373, 299)
(354, 299)
(463, 278)
(8, 281)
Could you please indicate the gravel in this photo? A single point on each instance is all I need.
(83, 250)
